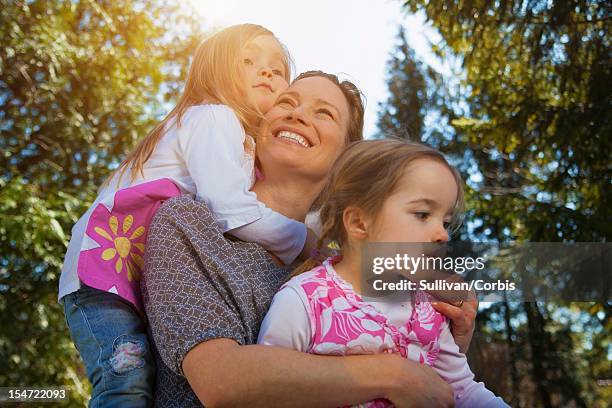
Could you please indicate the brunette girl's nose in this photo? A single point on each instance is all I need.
(440, 235)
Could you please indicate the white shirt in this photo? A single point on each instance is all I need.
(205, 157)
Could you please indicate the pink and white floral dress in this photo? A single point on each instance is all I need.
(319, 312)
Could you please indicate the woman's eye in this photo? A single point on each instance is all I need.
(325, 112)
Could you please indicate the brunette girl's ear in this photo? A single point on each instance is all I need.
(355, 223)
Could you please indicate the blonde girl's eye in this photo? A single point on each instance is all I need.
(248, 61)
(277, 69)
(285, 102)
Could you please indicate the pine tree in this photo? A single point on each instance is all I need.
(406, 84)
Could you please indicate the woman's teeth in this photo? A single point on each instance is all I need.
(294, 137)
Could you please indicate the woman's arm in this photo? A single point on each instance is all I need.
(223, 373)
(205, 295)
(287, 324)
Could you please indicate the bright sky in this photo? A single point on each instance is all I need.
(348, 37)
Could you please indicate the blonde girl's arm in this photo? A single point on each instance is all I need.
(452, 366)
(211, 144)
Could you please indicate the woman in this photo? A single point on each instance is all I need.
(206, 295)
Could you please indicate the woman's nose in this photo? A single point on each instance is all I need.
(298, 115)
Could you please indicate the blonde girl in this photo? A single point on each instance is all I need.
(205, 148)
(378, 191)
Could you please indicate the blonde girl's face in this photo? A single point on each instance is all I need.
(421, 207)
(264, 71)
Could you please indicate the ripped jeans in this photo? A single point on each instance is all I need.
(112, 340)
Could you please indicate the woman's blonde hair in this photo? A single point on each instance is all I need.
(213, 78)
(365, 174)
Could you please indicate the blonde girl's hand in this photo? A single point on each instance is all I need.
(310, 245)
(463, 317)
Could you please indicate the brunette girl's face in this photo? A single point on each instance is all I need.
(264, 71)
(421, 207)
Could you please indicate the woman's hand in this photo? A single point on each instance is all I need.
(417, 385)
(463, 317)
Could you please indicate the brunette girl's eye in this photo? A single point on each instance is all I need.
(446, 225)
(422, 215)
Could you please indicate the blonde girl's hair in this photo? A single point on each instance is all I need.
(365, 174)
(213, 78)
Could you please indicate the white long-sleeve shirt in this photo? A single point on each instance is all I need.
(204, 157)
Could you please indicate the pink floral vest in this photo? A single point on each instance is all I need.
(119, 225)
(343, 324)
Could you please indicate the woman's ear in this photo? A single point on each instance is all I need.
(355, 223)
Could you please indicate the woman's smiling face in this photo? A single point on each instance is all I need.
(307, 127)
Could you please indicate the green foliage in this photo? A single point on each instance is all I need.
(80, 82)
(537, 90)
(527, 121)
(34, 345)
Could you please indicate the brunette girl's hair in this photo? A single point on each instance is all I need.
(213, 78)
(365, 174)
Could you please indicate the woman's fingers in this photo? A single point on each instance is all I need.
(470, 309)
(463, 317)
(452, 312)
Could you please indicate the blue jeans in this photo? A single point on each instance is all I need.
(112, 340)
